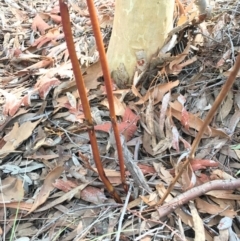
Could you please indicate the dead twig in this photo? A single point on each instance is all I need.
(123, 212)
(196, 192)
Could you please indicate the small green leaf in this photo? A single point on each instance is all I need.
(235, 147)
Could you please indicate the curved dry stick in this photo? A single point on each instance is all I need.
(83, 96)
(107, 81)
(196, 192)
(221, 96)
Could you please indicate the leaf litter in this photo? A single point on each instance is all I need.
(50, 189)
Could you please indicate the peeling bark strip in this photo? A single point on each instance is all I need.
(196, 192)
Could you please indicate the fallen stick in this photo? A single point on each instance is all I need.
(196, 192)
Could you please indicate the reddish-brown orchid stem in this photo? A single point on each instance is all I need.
(221, 96)
(83, 96)
(107, 81)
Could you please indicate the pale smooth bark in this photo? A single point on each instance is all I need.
(139, 25)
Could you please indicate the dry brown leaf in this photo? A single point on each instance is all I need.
(147, 142)
(163, 173)
(56, 18)
(93, 73)
(127, 127)
(222, 175)
(39, 24)
(17, 135)
(226, 106)
(183, 19)
(197, 223)
(188, 178)
(225, 56)
(224, 194)
(12, 103)
(106, 21)
(44, 85)
(113, 176)
(176, 69)
(67, 196)
(46, 188)
(17, 205)
(150, 122)
(63, 185)
(198, 164)
(11, 190)
(51, 36)
(93, 195)
(178, 59)
(136, 93)
(88, 194)
(118, 105)
(134, 203)
(41, 64)
(175, 139)
(151, 199)
(162, 146)
(224, 203)
(146, 169)
(237, 153)
(157, 92)
(161, 190)
(205, 207)
(164, 106)
(216, 31)
(194, 121)
(185, 115)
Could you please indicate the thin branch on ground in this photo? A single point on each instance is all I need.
(196, 192)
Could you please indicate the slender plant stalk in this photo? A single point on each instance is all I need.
(83, 96)
(13, 231)
(221, 96)
(107, 81)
